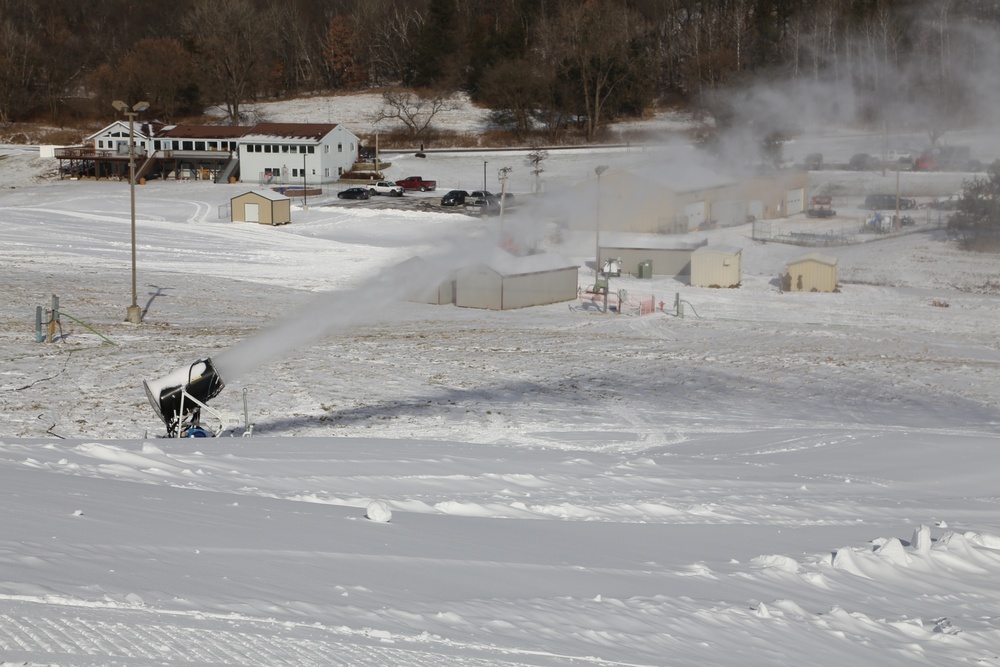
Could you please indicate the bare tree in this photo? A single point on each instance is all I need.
(229, 38)
(534, 160)
(590, 43)
(340, 54)
(413, 111)
(19, 59)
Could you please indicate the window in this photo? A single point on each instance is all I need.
(302, 149)
(326, 148)
(187, 145)
(340, 148)
(267, 148)
(199, 145)
(326, 172)
(284, 148)
(312, 149)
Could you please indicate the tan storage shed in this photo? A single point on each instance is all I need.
(717, 266)
(264, 206)
(506, 282)
(667, 256)
(812, 273)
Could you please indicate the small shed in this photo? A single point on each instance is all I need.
(717, 266)
(506, 281)
(812, 273)
(424, 284)
(264, 206)
(666, 255)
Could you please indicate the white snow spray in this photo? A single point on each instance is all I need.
(336, 311)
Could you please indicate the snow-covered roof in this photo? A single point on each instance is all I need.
(647, 241)
(815, 257)
(507, 264)
(724, 249)
(265, 193)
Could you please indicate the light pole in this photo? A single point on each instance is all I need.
(305, 185)
(133, 313)
(597, 254)
(484, 175)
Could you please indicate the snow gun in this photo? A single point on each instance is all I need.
(179, 397)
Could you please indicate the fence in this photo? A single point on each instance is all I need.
(620, 302)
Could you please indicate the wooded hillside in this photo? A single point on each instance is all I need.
(541, 65)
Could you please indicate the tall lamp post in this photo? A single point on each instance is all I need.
(484, 175)
(597, 254)
(133, 313)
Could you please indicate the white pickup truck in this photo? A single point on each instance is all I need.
(385, 188)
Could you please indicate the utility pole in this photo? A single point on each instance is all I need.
(597, 253)
(133, 313)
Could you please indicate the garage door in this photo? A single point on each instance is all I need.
(695, 214)
(795, 201)
(252, 212)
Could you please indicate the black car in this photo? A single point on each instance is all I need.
(862, 162)
(888, 202)
(454, 198)
(354, 193)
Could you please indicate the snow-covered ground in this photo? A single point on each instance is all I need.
(773, 479)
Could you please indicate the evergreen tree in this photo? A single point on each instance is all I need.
(976, 223)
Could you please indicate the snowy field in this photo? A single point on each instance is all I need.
(772, 479)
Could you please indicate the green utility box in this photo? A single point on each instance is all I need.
(646, 269)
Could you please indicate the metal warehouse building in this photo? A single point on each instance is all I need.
(506, 282)
(264, 206)
(812, 273)
(717, 266)
(665, 199)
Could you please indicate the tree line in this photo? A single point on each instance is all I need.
(553, 66)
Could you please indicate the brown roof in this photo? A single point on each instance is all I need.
(204, 131)
(310, 131)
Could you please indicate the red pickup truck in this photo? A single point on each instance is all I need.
(417, 183)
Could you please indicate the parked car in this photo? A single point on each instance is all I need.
(482, 202)
(862, 162)
(385, 188)
(417, 183)
(454, 198)
(354, 193)
(888, 202)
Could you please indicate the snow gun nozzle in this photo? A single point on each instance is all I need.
(178, 397)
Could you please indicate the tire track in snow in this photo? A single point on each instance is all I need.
(46, 633)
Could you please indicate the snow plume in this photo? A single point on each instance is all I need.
(337, 311)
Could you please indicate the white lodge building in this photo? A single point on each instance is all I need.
(298, 154)
(295, 154)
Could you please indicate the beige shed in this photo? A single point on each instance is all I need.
(507, 281)
(812, 273)
(264, 206)
(717, 266)
(666, 255)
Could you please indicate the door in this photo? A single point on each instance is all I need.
(795, 199)
(695, 214)
(252, 212)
